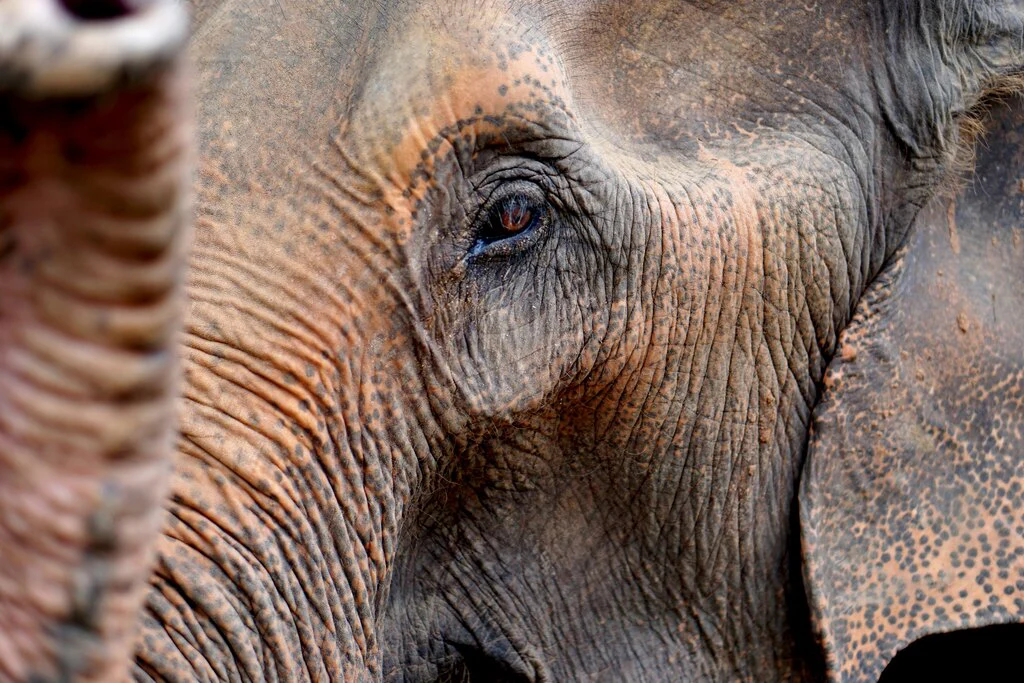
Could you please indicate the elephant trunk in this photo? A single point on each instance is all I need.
(94, 158)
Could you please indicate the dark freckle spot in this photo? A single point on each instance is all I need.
(502, 90)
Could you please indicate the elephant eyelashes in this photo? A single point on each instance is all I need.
(508, 223)
(516, 215)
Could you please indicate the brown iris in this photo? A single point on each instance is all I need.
(513, 216)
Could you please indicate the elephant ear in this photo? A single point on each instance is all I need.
(912, 496)
(939, 59)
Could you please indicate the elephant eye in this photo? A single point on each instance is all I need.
(515, 215)
(512, 216)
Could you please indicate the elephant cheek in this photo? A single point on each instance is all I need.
(93, 213)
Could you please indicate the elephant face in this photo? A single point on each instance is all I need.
(574, 274)
(508, 324)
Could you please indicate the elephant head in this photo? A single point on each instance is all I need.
(524, 341)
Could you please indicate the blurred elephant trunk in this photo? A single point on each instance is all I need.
(94, 159)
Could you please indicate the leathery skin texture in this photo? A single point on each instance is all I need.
(506, 327)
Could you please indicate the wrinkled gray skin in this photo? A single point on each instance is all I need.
(506, 327)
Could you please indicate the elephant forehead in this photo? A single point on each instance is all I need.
(435, 87)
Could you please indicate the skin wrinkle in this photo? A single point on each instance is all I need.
(178, 632)
(310, 427)
(238, 639)
(248, 302)
(191, 654)
(199, 658)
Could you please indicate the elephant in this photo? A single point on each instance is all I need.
(510, 341)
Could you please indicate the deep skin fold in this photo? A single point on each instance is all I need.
(571, 460)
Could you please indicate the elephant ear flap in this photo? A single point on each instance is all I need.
(940, 60)
(912, 495)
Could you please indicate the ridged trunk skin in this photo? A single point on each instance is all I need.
(94, 178)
